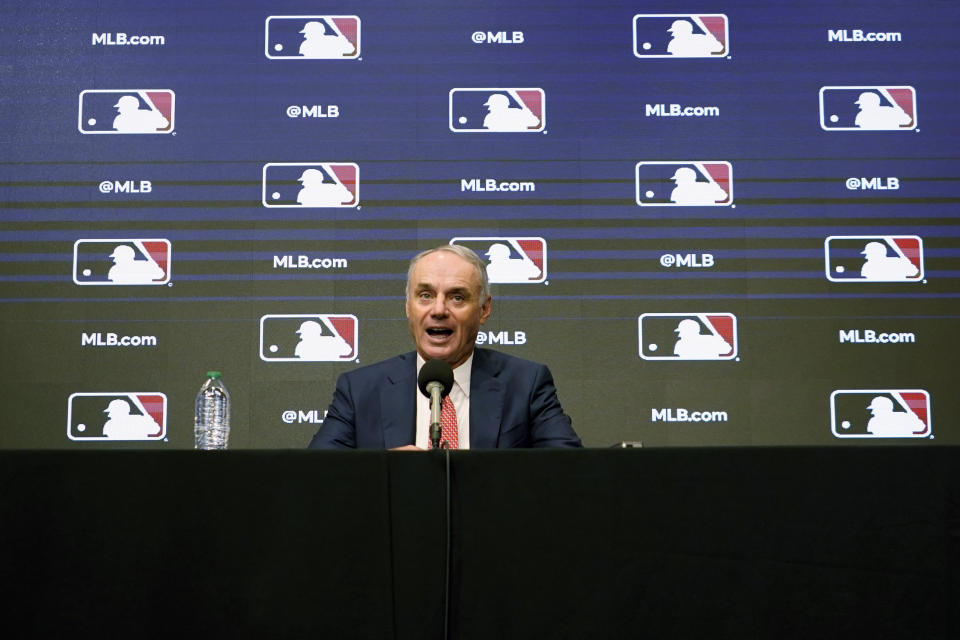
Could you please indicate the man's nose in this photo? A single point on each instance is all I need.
(439, 307)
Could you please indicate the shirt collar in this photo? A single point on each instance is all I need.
(461, 375)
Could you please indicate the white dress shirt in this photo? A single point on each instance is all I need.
(460, 395)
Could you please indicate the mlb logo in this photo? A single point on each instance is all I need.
(117, 416)
(868, 108)
(510, 260)
(874, 258)
(880, 413)
(309, 338)
(684, 183)
(311, 184)
(126, 111)
(680, 35)
(112, 261)
(688, 336)
(497, 110)
(312, 37)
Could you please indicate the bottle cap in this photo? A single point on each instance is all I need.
(213, 374)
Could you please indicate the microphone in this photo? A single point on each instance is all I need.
(435, 381)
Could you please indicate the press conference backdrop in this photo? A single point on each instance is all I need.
(729, 223)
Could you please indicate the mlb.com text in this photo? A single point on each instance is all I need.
(685, 415)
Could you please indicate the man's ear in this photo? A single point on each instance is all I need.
(485, 309)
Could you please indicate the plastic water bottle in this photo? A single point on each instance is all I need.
(211, 419)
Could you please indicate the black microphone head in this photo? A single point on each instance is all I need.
(435, 371)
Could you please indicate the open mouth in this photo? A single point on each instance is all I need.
(439, 332)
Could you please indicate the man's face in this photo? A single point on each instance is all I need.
(444, 307)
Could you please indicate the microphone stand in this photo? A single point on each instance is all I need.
(435, 390)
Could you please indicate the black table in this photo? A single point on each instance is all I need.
(668, 543)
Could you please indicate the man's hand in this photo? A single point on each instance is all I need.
(407, 447)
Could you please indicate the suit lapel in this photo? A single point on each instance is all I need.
(398, 409)
(486, 402)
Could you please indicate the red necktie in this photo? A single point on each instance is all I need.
(448, 424)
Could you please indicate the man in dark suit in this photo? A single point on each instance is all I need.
(497, 401)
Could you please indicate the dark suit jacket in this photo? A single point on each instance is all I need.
(513, 403)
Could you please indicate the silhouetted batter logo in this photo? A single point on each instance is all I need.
(126, 111)
(868, 108)
(121, 261)
(680, 35)
(684, 183)
(510, 260)
(312, 38)
(874, 258)
(309, 338)
(880, 413)
(497, 110)
(688, 336)
(117, 416)
(311, 184)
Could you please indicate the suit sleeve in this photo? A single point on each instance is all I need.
(339, 429)
(549, 425)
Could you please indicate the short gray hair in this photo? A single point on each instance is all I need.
(464, 252)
